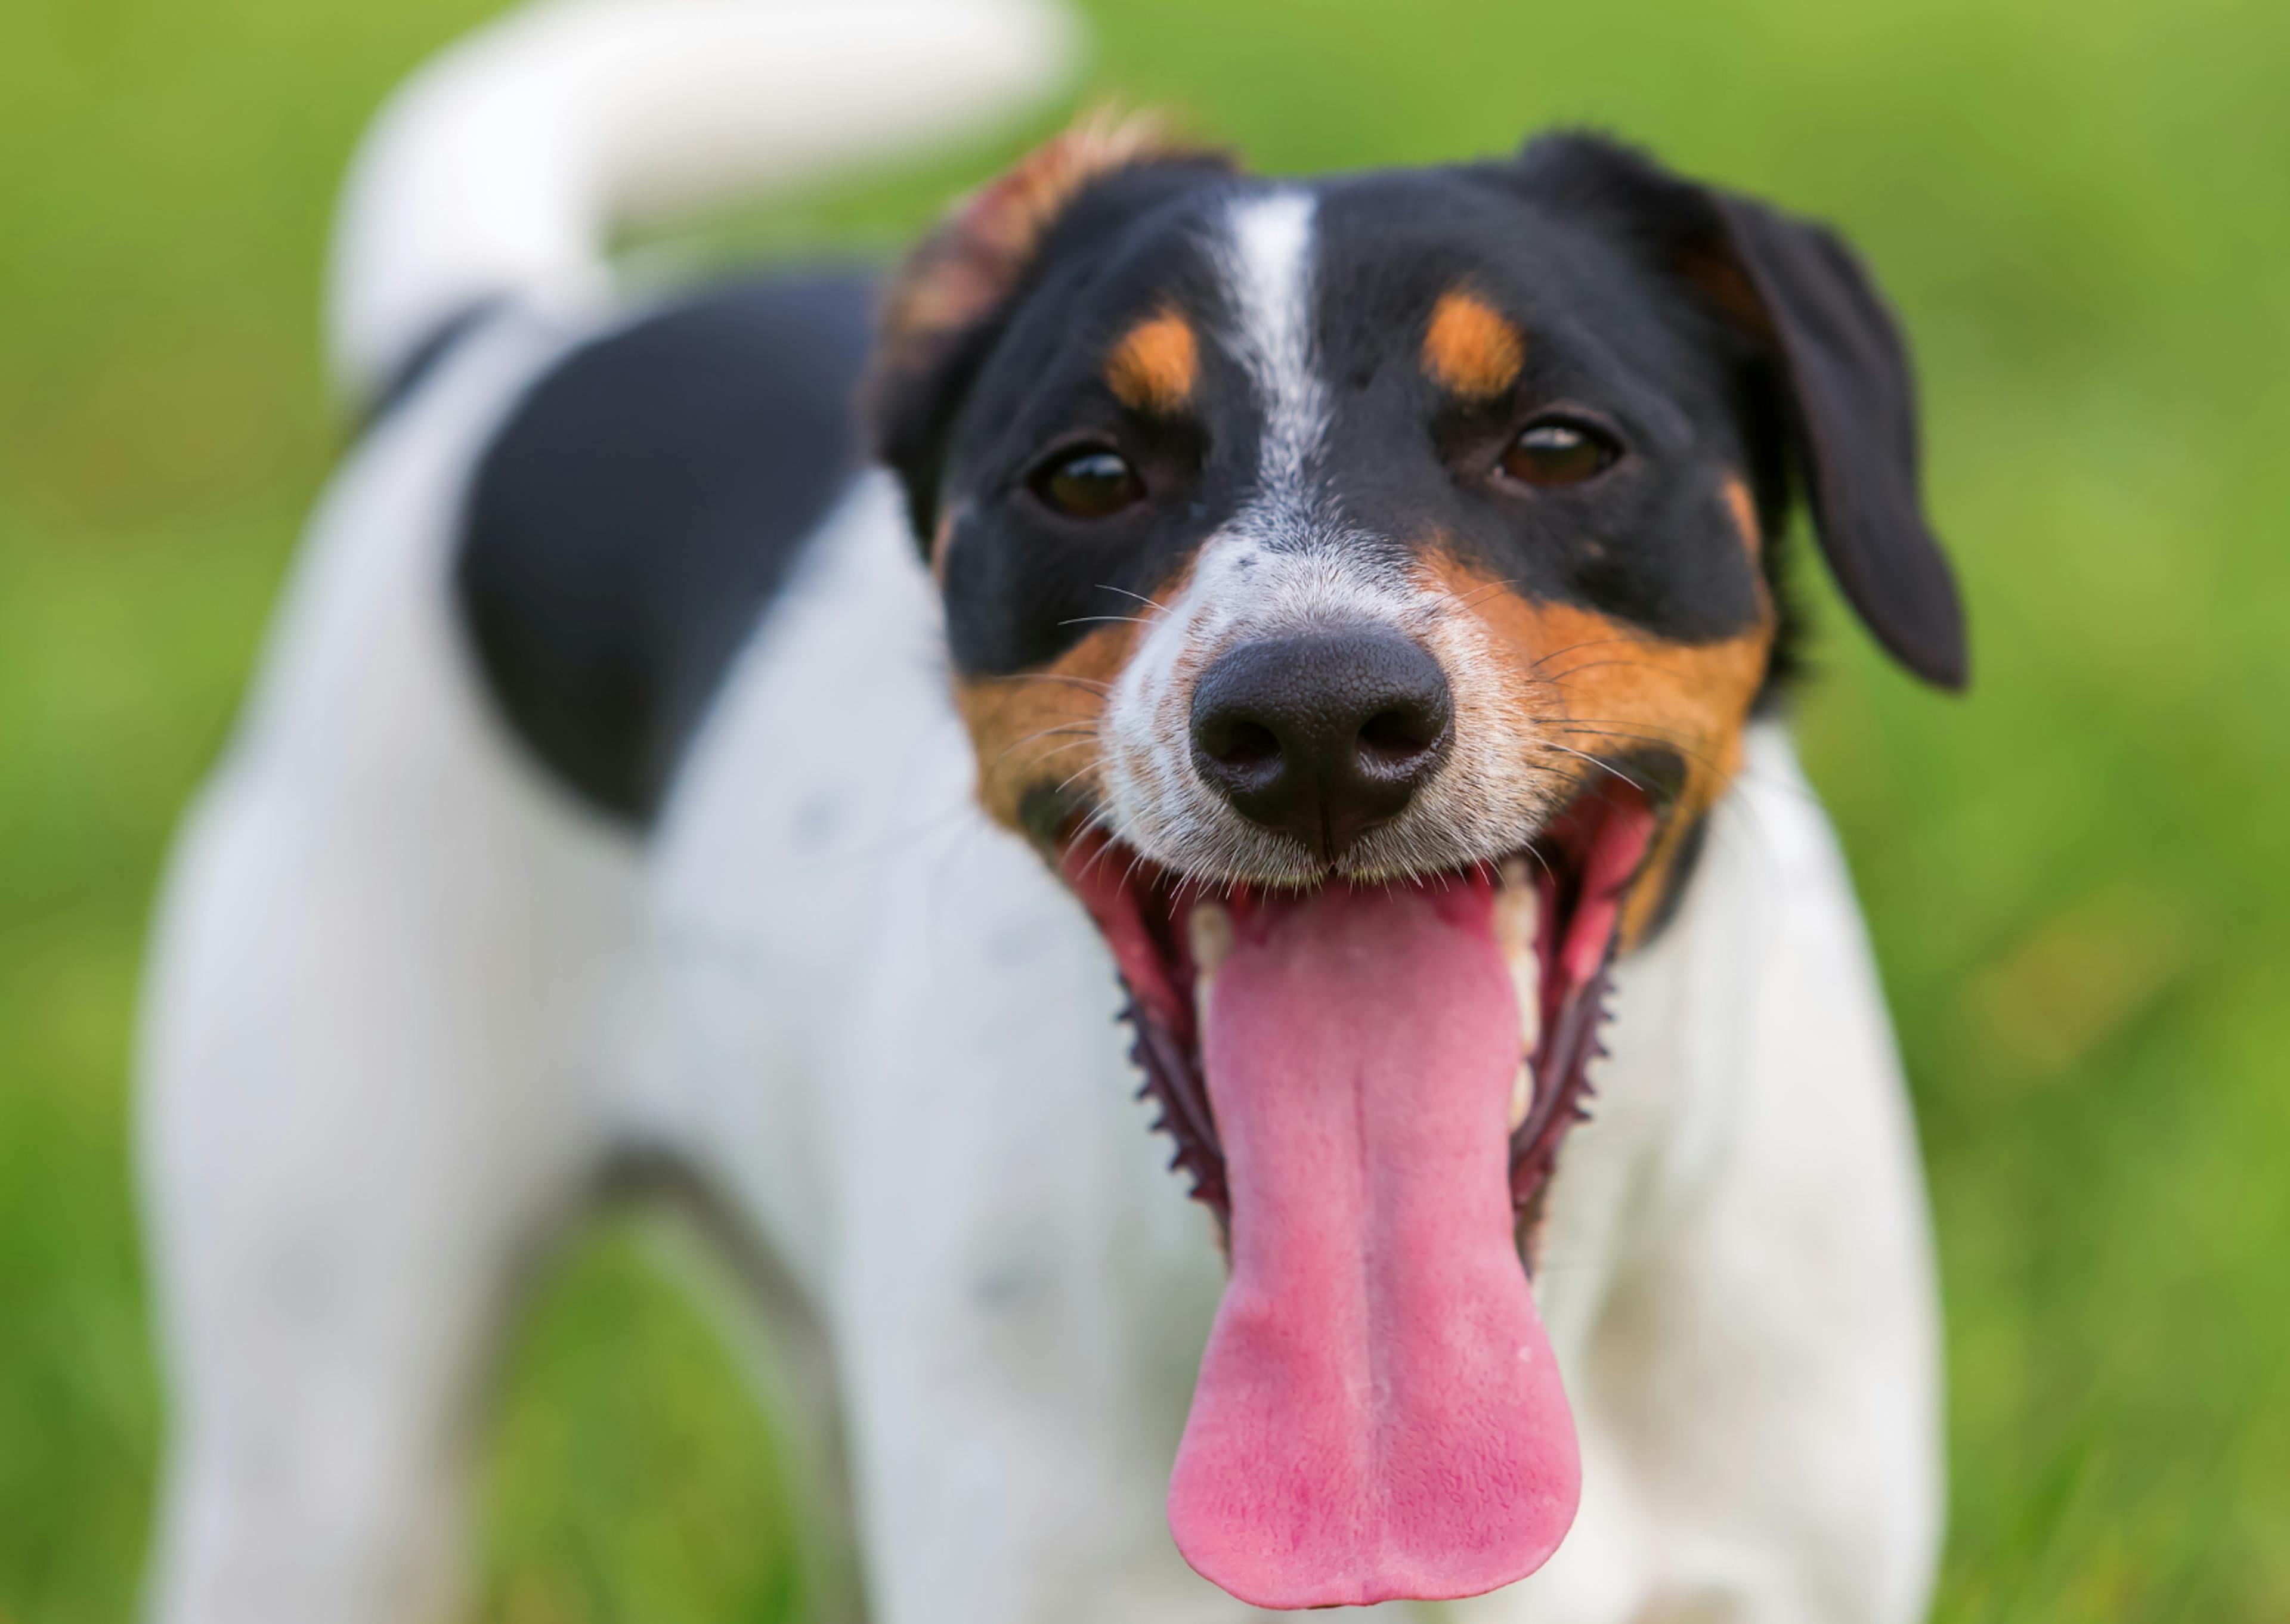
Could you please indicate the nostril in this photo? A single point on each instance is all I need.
(1398, 740)
(1247, 745)
(1244, 747)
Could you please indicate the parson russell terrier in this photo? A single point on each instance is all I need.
(1308, 646)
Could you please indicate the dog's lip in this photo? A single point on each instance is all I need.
(1144, 910)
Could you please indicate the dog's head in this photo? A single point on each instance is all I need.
(1359, 589)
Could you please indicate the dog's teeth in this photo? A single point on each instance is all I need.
(1522, 1094)
(1208, 932)
(1518, 913)
(1526, 985)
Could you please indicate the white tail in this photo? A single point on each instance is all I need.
(503, 167)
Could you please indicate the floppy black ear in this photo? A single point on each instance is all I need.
(1848, 402)
(1854, 405)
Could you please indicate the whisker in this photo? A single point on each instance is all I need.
(1644, 724)
(1048, 733)
(1597, 729)
(1604, 767)
(1090, 683)
(1559, 681)
(1069, 781)
(1595, 642)
(1149, 601)
(1099, 823)
(1477, 595)
(1492, 590)
(1060, 749)
(1079, 724)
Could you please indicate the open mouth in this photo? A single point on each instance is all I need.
(1368, 1084)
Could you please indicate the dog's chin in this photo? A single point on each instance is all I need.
(1368, 1083)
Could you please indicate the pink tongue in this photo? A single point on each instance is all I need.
(1378, 1414)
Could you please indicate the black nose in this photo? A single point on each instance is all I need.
(1321, 735)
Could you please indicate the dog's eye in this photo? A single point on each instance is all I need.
(1089, 485)
(1559, 451)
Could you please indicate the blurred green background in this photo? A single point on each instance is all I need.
(2077, 878)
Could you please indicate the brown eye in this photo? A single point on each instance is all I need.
(1558, 451)
(1090, 484)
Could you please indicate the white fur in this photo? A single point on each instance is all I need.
(1269, 274)
(407, 1003)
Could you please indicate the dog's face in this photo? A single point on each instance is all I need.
(1359, 589)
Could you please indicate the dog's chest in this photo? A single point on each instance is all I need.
(878, 1011)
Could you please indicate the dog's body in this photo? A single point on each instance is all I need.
(444, 956)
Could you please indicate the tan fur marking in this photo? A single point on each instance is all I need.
(1745, 509)
(1153, 367)
(1470, 349)
(1579, 680)
(1037, 729)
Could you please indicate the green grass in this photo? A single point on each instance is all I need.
(2076, 878)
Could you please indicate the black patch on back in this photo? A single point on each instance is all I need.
(633, 518)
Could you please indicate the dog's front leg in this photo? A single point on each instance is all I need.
(360, 1124)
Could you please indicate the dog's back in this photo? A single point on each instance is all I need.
(629, 523)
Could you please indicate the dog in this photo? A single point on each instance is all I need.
(1205, 890)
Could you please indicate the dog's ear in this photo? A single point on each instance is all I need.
(1846, 405)
(947, 303)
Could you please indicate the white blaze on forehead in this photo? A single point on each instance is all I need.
(1267, 263)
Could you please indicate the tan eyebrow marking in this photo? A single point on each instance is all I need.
(1154, 367)
(1470, 347)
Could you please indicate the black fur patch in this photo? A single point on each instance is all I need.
(632, 519)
